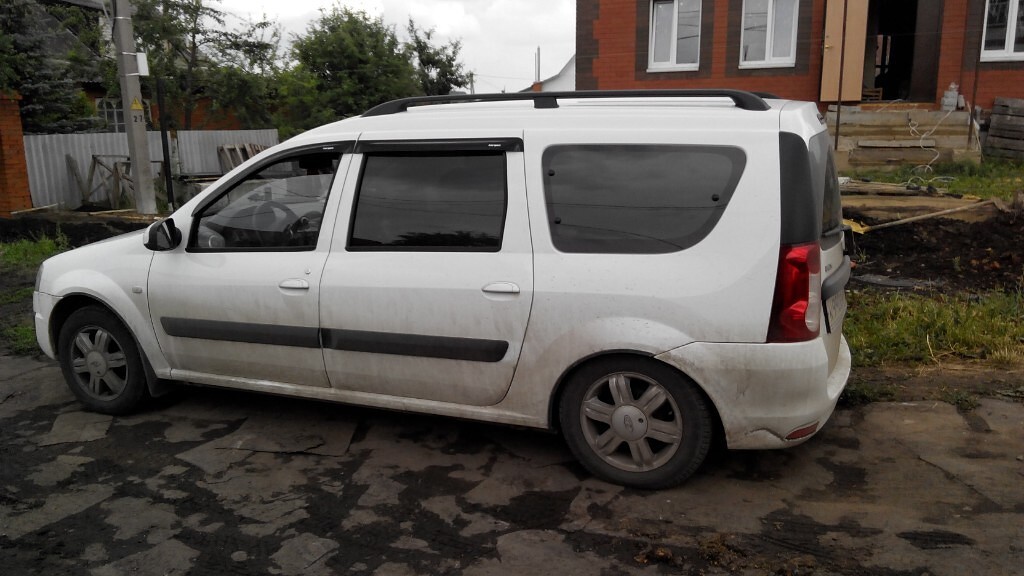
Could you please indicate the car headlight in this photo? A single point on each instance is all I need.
(39, 276)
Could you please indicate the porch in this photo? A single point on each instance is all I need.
(890, 135)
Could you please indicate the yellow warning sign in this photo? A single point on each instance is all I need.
(136, 105)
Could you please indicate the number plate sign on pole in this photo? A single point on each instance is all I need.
(134, 112)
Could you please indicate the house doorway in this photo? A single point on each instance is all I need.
(885, 50)
(901, 56)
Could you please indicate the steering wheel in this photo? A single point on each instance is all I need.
(266, 229)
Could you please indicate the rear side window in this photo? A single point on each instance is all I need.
(430, 202)
(637, 199)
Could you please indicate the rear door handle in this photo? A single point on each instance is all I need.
(294, 284)
(501, 288)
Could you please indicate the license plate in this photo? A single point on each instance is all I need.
(835, 310)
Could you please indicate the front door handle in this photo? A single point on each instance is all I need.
(501, 288)
(294, 284)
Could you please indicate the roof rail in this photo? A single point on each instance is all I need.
(742, 99)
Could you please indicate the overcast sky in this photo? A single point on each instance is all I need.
(499, 37)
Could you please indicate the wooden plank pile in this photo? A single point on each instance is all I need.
(1006, 130)
(232, 155)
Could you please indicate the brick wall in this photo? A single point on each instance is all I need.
(612, 43)
(980, 82)
(203, 117)
(14, 192)
(612, 37)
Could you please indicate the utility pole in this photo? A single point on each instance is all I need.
(472, 84)
(134, 112)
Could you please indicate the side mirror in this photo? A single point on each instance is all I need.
(163, 236)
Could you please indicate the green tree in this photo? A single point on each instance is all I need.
(244, 80)
(437, 67)
(189, 44)
(346, 63)
(51, 100)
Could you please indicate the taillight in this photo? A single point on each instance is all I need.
(796, 309)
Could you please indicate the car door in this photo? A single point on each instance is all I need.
(427, 293)
(241, 298)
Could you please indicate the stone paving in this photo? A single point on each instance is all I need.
(219, 482)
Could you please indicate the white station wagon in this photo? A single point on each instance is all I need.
(638, 270)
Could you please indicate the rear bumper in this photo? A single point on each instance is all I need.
(766, 392)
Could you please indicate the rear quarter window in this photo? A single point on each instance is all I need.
(826, 179)
(637, 199)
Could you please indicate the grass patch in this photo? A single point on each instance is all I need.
(897, 328)
(29, 254)
(17, 295)
(21, 338)
(963, 400)
(991, 179)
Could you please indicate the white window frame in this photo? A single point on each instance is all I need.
(111, 111)
(1014, 19)
(769, 40)
(672, 65)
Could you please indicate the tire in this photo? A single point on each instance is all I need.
(101, 362)
(635, 422)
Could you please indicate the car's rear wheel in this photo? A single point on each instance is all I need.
(101, 362)
(635, 422)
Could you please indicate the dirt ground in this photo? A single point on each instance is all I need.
(945, 254)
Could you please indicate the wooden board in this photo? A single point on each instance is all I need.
(1008, 106)
(1003, 153)
(1004, 143)
(856, 187)
(918, 143)
(1006, 126)
(895, 156)
(1006, 129)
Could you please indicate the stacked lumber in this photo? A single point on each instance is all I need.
(1006, 130)
(233, 155)
(860, 187)
(896, 136)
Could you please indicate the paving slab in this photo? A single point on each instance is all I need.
(224, 483)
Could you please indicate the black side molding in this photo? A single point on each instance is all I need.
(297, 336)
(448, 347)
(452, 348)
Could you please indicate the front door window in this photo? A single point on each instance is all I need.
(279, 207)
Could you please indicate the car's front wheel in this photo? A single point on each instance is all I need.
(635, 422)
(101, 362)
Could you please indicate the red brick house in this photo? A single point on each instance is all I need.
(910, 50)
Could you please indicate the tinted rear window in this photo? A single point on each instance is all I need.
(629, 199)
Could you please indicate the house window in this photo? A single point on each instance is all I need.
(1004, 31)
(769, 34)
(675, 34)
(110, 110)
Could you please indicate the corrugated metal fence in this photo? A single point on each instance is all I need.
(194, 152)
